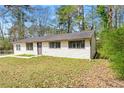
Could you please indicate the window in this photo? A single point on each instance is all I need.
(76, 44)
(54, 44)
(29, 46)
(18, 47)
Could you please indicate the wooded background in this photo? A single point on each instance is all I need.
(25, 21)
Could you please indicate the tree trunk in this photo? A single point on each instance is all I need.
(115, 18)
(1, 30)
(119, 20)
(83, 23)
(79, 14)
(69, 25)
(92, 26)
(109, 16)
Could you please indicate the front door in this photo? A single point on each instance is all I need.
(39, 48)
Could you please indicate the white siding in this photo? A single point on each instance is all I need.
(23, 49)
(64, 51)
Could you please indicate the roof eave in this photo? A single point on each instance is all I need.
(50, 40)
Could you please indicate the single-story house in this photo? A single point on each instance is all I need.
(72, 45)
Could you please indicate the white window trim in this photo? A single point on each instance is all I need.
(18, 47)
(27, 49)
(77, 47)
(54, 45)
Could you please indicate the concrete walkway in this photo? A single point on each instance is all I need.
(16, 56)
(10, 55)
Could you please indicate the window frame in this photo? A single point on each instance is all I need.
(28, 47)
(18, 47)
(55, 45)
(76, 44)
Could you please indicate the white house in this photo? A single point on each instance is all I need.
(72, 45)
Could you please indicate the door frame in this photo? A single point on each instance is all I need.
(39, 48)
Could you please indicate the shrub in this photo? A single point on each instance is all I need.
(112, 47)
(5, 44)
(26, 55)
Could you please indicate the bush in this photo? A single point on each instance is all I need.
(112, 47)
(5, 44)
(26, 55)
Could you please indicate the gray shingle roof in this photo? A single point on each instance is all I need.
(68, 36)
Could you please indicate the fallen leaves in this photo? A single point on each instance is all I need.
(56, 72)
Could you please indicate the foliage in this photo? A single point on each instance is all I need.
(112, 47)
(103, 14)
(20, 16)
(65, 16)
(5, 44)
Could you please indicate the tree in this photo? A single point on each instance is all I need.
(110, 12)
(3, 12)
(92, 18)
(20, 14)
(1, 30)
(101, 10)
(83, 22)
(80, 17)
(65, 16)
(115, 8)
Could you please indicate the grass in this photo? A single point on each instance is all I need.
(42, 72)
(26, 55)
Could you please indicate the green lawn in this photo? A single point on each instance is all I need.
(43, 72)
(26, 55)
